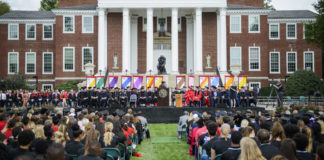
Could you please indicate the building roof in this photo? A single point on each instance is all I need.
(292, 14)
(84, 7)
(242, 7)
(28, 15)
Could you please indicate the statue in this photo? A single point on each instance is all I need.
(115, 61)
(208, 58)
(161, 65)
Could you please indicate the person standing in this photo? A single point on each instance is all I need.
(280, 91)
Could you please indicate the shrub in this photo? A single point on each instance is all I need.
(265, 91)
(303, 83)
(68, 85)
(14, 82)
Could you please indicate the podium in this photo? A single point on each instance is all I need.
(163, 97)
(178, 99)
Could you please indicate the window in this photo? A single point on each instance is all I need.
(274, 62)
(30, 32)
(235, 53)
(179, 24)
(254, 23)
(47, 32)
(309, 61)
(291, 31)
(13, 31)
(274, 31)
(68, 24)
(68, 59)
(144, 24)
(87, 24)
(291, 62)
(47, 63)
(255, 85)
(47, 86)
(30, 67)
(87, 56)
(254, 58)
(162, 24)
(235, 26)
(13, 62)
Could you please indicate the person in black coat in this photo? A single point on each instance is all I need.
(301, 144)
(268, 150)
(94, 152)
(73, 146)
(233, 152)
(25, 140)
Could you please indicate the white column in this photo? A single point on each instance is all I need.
(174, 41)
(219, 56)
(223, 41)
(102, 41)
(149, 40)
(198, 42)
(134, 58)
(190, 43)
(126, 40)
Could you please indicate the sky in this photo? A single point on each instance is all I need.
(278, 4)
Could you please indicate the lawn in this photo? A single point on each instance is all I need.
(163, 144)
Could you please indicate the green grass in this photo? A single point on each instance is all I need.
(163, 144)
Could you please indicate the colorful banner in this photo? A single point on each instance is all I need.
(228, 81)
(91, 82)
(137, 82)
(242, 81)
(100, 82)
(158, 81)
(191, 81)
(112, 81)
(203, 81)
(214, 81)
(181, 82)
(126, 81)
(149, 81)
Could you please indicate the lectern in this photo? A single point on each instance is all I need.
(163, 97)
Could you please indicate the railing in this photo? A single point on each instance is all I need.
(289, 100)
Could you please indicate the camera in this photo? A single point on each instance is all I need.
(273, 82)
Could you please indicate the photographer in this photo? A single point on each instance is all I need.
(280, 91)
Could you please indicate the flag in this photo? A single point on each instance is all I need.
(228, 81)
(105, 79)
(126, 82)
(149, 81)
(242, 81)
(203, 81)
(91, 82)
(137, 82)
(214, 81)
(181, 82)
(158, 81)
(191, 81)
(100, 82)
(112, 81)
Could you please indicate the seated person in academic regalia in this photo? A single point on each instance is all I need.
(103, 97)
(224, 96)
(149, 97)
(176, 91)
(155, 96)
(197, 96)
(252, 97)
(123, 98)
(112, 97)
(206, 97)
(213, 96)
(133, 98)
(142, 97)
(242, 97)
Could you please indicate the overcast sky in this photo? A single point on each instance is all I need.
(278, 4)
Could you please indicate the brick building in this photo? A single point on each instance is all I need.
(128, 36)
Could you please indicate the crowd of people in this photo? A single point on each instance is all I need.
(57, 135)
(127, 97)
(250, 135)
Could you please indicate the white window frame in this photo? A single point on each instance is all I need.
(278, 24)
(83, 29)
(287, 31)
(259, 83)
(158, 26)
(83, 70)
(34, 63)
(240, 17)
(313, 60)
(68, 70)
(73, 19)
(9, 38)
(295, 62)
(259, 59)
(9, 62)
(240, 54)
(258, 24)
(26, 33)
(143, 20)
(43, 85)
(44, 32)
(179, 24)
(43, 65)
(278, 63)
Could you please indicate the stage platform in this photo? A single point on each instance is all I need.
(172, 114)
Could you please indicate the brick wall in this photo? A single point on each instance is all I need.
(115, 38)
(69, 3)
(255, 3)
(209, 29)
(183, 47)
(141, 48)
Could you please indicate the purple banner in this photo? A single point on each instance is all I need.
(138, 82)
(112, 82)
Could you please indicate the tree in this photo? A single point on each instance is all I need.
(4, 8)
(268, 5)
(303, 83)
(47, 5)
(15, 82)
(68, 85)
